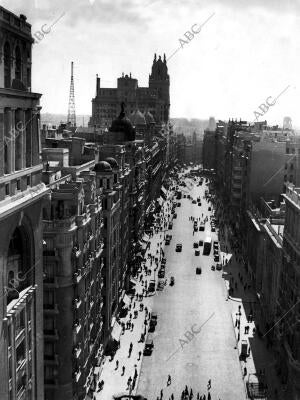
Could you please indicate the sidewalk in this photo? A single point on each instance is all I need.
(115, 381)
(260, 361)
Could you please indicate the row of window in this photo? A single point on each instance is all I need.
(10, 185)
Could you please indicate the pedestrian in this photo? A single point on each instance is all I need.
(161, 394)
(169, 380)
(117, 364)
(123, 370)
(245, 371)
(209, 383)
(208, 396)
(191, 394)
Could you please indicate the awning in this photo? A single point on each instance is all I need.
(163, 193)
(126, 300)
(160, 201)
(133, 281)
(163, 189)
(116, 331)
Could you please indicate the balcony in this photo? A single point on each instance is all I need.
(51, 359)
(77, 276)
(51, 308)
(51, 334)
(50, 282)
(51, 383)
(59, 224)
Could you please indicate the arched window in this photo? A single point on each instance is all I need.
(7, 65)
(18, 73)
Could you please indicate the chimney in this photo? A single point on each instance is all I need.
(97, 85)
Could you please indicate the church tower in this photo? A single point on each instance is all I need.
(160, 81)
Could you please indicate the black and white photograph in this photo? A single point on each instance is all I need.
(149, 200)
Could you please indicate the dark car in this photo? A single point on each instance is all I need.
(219, 267)
(175, 215)
(209, 208)
(213, 229)
(217, 258)
(172, 281)
(202, 228)
(148, 347)
(178, 247)
(151, 287)
(197, 252)
(196, 245)
(200, 242)
(161, 273)
(170, 225)
(167, 241)
(198, 271)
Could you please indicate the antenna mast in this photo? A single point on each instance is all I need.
(71, 109)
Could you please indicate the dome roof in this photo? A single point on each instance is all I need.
(137, 118)
(149, 117)
(102, 166)
(123, 124)
(112, 162)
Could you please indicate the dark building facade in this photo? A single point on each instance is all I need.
(21, 199)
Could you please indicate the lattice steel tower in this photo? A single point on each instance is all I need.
(71, 108)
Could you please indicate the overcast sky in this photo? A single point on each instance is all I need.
(245, 52)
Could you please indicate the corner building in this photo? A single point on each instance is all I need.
(21, 197)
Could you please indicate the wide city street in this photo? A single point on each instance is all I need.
(194, 339)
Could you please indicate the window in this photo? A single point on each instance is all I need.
(7, 189)
(28, 180)
(18, 184)
(18, 73)
(7, 65)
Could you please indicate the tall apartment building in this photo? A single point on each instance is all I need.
(288, 329)
(21, 197)
(154, 98)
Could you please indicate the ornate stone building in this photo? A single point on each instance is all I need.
(154, 98)
(21, 197)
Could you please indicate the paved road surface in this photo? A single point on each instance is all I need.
(196, 303)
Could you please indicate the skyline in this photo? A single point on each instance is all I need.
(213, 70)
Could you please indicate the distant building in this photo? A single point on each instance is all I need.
(21, 199)
(155, 98)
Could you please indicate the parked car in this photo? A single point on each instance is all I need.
(178, 247)
(196, 245)
(217, 258)
(154, 317)
(219, 267)
(194, 202)
(149, 345)
(172, 281)
(151, 287)
(167, 241)
(197, 252)
(209, 208)
(200, 242)
(202, 227)
(198, 271)
(163, 261)
(170, 225)
(174, 216)
(161, 273)
(213, 229)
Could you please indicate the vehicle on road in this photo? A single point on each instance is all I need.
(178, 247)
(209, 208)
(178, 204)
(202, 227)
(200, 242)
(219, 267)
(196, 245)
(154, 317)
(216, 258)
(213, 268)
(151, 287)
(163, 261)
(213, 229)
(216, 244)
(170, 225)
(161, 273)
(167, 241)
(207, 246)
(172, 281)
(174, 216)
(194, 202)
(198, 271)
(149, 345)
(197, 252)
